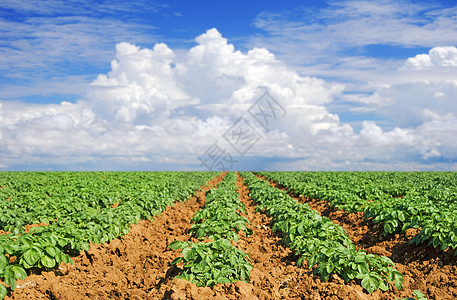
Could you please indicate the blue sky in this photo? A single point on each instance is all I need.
(114, 85)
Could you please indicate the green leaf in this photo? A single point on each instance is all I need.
(301, 230)
(202, 265)
(398, 280)
(58, 256)
(187, 253)
(329, 268)
(235, 237)
(66, 258)
(325, 275)
(175, 245)
(63, 243)
(15, 247)
(3, 291)
(3, 263)
(300, 261)
(359, 258)
(383, 286)
(25, 264)
(12, 282)
(85, 246)
(248, 266)
(223, 280)
(32, 255)
(9, 277)
(51, 251)
(232, 260)
(176, 260)
(388, 227)
(363, 268)
(419, 295)
(48, 261)
(226, 243)
(370, 283)
(244, 275)
(19, 272)
(401, 216)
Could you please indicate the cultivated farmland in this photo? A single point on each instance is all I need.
(229, 235)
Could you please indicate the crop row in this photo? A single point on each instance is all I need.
(396, 200)
(43, 197)
(317, 239)
(207, 263)
(86, 220)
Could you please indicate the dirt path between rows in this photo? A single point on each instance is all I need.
(136, 266)
(424, 268)
(275, 274)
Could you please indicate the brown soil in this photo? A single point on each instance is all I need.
(275, 274)
(137, 266)
(27, 227)
(30, 226)
(424, 268)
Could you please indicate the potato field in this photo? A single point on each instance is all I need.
(228, 235)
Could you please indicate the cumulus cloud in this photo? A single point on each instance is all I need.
(373, 135)
(437, 57)
(422, 86)
(154, 104)
(157, 106)
(336, 35)
(419, 101)
(140, 86)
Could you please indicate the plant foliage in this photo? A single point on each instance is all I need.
(323, 243)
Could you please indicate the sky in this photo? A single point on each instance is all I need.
(233, 85)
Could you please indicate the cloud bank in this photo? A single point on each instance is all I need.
(437, 57)
(157, 109)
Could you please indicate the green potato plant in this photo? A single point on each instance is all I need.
(217, 261)
(208, 264)
(79, 208)
(323, 243)
(395, 200)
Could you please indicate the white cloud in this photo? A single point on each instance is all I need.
(140, 86)
(39, 42)
(49, 8)
(410, 98)
(373, 135)
(154, 104)
(421, 98)
(52, 47)
(437, 57)
(325, 34)
(437, 139)
(347, 42)
(160, 106)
